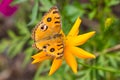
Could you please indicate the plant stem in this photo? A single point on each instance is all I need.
(109, 69)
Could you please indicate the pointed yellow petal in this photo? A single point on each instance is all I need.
(39, 54)
(75, 29)
(35, 61)
(81, 39)
(39, 57)
(80, 53)
(70, 60)
(55, 65)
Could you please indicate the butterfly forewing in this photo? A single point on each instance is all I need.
(49, 25)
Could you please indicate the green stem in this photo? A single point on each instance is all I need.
(109, 69)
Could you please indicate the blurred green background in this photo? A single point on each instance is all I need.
(102, 16)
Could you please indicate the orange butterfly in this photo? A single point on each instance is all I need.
(47, 36)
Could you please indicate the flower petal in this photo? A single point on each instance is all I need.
(80, 53)
(55, 65)
(81, 39)
(70, 60)
(39, 57)
(75, 29)
(6, 9)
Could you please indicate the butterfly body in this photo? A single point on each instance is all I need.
(47, 36)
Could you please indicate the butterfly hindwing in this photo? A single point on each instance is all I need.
(53, 46)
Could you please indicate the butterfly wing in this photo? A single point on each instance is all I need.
(53, 46)
(49, 25)
(47, 35)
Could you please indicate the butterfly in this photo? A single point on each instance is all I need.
(47, 36)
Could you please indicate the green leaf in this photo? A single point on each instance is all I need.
(112, 61)
(34, 13)
(101, 73)
(46, 5)
(39, 70)
(5, 44)
(11, 34)
(18, 2)
(28, 53)
(12, 46)
(92, 14)
(73, 12)
(101, 61)
(17, 48)
(86, 76)
(113, 2)
(23, 29)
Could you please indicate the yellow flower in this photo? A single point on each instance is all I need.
(71, 41)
